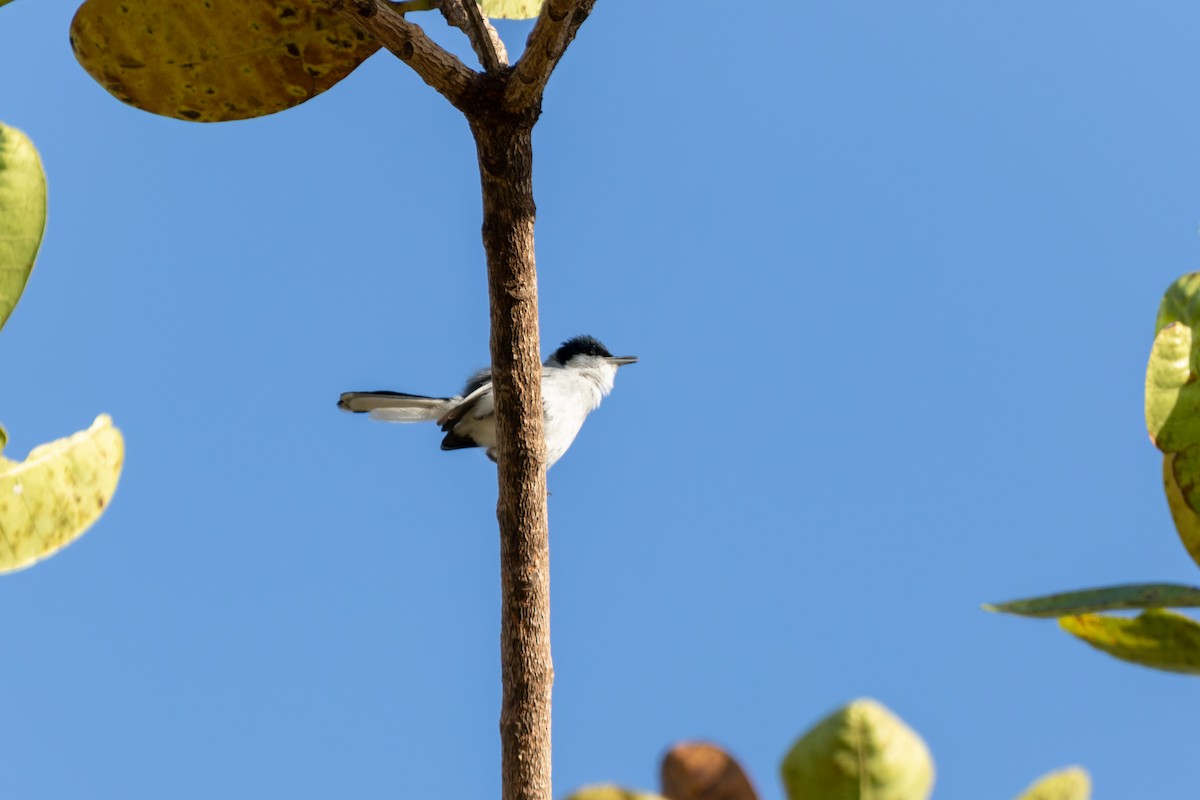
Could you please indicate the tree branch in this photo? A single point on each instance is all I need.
(505, 147)
(486, 43)
(554, 30)
(437, 67)
(502, 106)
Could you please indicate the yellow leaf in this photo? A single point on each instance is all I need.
(611, 792)
(1155, 638)
(215, 60)
(1072, 783)
(22, 214)
(51, 498)
(510, 9)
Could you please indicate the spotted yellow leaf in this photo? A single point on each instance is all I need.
(215, 60)
(48, 500)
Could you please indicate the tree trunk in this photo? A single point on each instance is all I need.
(505, 163)
(502, 104)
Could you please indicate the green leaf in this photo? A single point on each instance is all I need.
(609, 791)
(1072, 783)
(22, 214)
(1108, 598)
(218, 59)
(1180, 303)
(1185, 472)
(511, 9)
(1173, 404)
(1172, 390)
(3, 438)
(51, 498)
(1187, 523)
(1160, 639)
(861, 751)
(5, 2)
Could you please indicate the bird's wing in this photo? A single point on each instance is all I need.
(396, 406)
(478, 403)
(480, 379)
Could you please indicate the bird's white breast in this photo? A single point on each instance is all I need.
(568, 396)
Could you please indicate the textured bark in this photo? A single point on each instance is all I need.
(553, 31)
(505, 165)
(487, 44)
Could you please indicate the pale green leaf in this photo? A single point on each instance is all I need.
(861, 752)
(1173, 404)
(22, 214)
(51, 498)
(1156, 638)
(1108, 598)
(510, 9)
(1072, 783)
(1172, 390)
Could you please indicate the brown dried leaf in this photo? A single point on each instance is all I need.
(215, 60)
(700, 771)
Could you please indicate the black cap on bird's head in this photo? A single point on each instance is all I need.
(588, 346)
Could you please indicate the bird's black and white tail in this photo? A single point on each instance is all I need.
(396, 406)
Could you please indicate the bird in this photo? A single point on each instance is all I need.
(575, 378)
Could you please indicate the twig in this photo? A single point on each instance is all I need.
(578, 17)
(486, 43)
(554, 29)
(440, 69)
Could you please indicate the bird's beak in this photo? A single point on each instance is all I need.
(621, 361)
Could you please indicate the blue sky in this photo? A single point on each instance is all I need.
(891, 270)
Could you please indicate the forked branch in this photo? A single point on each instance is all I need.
(437, 67)
(552, 33)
